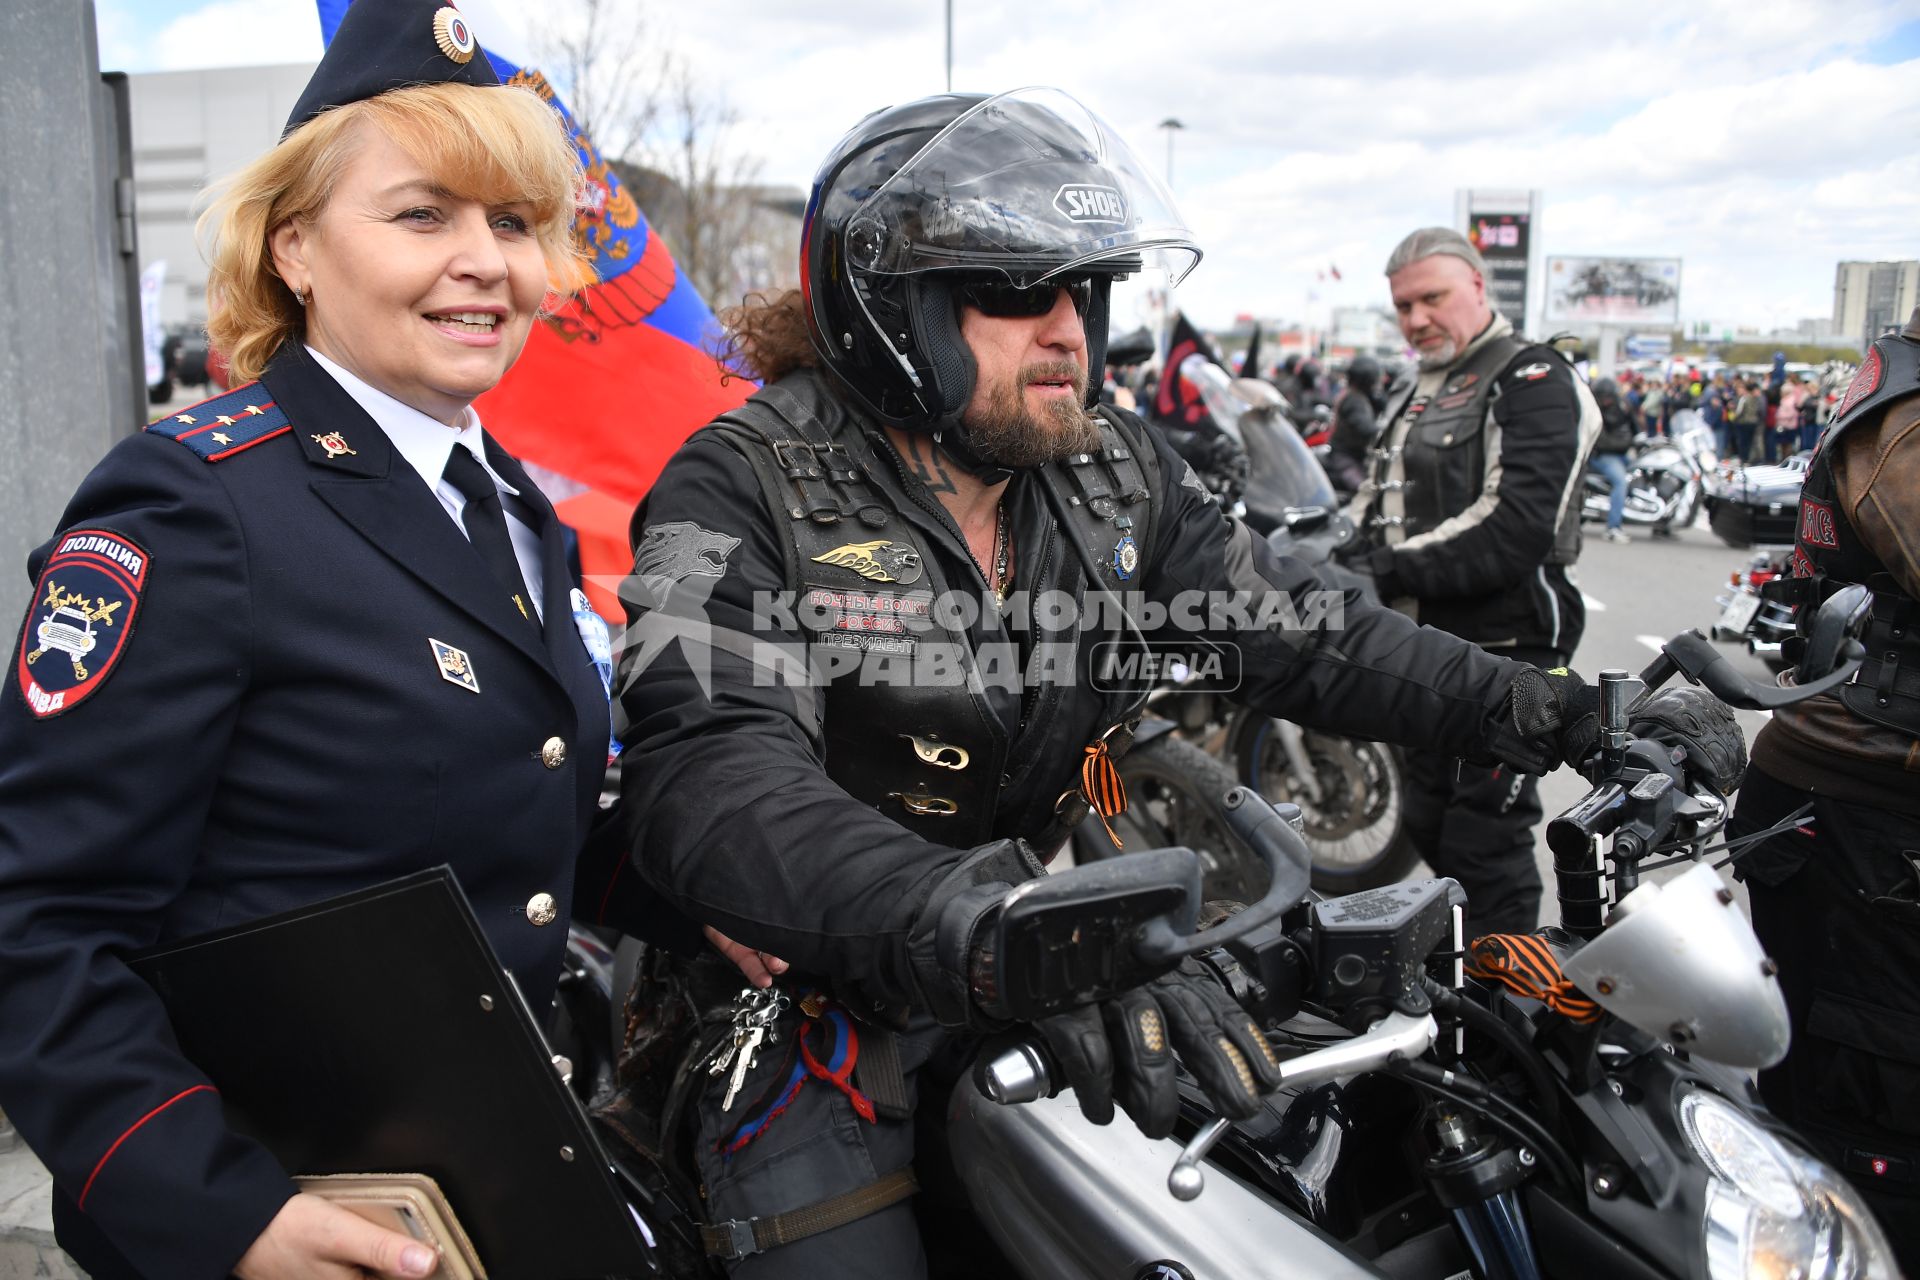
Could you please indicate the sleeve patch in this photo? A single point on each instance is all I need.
(82, 615)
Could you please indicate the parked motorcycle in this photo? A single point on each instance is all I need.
(1574, 1105)
(1746, 617)
(1350, 790)
(1665, 478)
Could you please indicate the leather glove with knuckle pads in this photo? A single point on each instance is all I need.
(1556, 716)
(1700, 730)
(1122, 1050)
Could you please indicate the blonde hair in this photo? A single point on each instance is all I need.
(496, 145)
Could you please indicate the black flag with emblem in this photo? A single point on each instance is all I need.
(1177, 402)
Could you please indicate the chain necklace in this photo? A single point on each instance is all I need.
(1002, 566)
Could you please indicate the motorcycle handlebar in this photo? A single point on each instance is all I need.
(1270, 834)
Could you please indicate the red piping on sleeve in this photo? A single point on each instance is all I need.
(82, 1202)
(606, 895)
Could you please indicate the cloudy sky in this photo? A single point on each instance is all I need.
(1761, 141)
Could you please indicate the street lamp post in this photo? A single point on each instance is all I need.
(1171, 125)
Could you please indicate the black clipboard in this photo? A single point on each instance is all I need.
(378, 1033)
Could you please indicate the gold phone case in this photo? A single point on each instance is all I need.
(410, 1203)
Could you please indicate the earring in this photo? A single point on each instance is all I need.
(300, 297)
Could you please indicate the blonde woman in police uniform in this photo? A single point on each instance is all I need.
(308, 636)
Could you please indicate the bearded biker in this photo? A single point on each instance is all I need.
(1470, 522)
(863, 682)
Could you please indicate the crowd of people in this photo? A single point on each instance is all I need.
(1754, 417)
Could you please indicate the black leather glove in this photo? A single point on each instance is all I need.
(1702, 732)
(1123, 1050)
(1557, 717)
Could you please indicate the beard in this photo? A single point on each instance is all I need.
(1006, 432)
(1441, 356)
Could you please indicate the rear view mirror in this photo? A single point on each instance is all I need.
(1840, 619)
(1069, 939)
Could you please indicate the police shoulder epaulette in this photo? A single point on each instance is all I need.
(227, 424)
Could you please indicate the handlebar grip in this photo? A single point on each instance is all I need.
(1021, 1072)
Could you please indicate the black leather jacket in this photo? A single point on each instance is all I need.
(749, 808)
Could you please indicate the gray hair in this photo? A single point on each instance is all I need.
(1429, 242)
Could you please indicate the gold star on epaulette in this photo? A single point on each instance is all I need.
(224, 420)
(221, 437)
(184, 417)
(255, 410)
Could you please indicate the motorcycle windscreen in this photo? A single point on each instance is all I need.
(1282, 473)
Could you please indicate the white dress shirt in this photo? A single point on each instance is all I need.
(426, 444)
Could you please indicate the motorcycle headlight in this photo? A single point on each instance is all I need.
(1773, 1211)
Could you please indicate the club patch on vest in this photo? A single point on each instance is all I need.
(680, 549)
(1533, 372)
(1459, 384)
(82, 616)
(1816, 523)
(1865, 382)
(880, 560)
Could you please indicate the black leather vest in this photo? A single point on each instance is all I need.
(1828, 553)
(1433, 452)
(910, 724)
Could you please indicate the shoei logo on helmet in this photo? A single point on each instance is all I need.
(1091, 204)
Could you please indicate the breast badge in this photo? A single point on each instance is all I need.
(335, 444)
(83, 610)
(455, 666)
(1126, 557)
(880, 560)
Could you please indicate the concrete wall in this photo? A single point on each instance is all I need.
(68, 320)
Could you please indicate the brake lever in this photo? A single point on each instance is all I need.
(1692, 655)
(1394, 1037)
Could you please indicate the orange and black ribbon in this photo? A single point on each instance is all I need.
(1525, 965)
(1101, 787)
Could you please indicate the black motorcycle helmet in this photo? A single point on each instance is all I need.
(1605, 391)
(1363, 374)
(1020, 188)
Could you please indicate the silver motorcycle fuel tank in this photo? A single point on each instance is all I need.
(1065, 1198)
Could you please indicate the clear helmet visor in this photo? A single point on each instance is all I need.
(1029, 184)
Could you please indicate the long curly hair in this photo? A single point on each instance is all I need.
(492, 144)
(766, 336)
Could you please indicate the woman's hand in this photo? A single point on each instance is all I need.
(759, 968)
(311, 1239)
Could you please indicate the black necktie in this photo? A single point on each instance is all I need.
(486, 524)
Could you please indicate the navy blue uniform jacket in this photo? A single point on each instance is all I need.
(272, 729)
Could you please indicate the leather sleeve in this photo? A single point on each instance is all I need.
(1879, 484)
(1306, 652)
(1504, 536)
(102, 809)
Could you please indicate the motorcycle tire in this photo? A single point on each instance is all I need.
(1173, 799)
(1356, 828)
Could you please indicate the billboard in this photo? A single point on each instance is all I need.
(1625, 291)
(1505, 227)
(1504, 239)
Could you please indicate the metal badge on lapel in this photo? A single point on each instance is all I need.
(455, 666)
(1126, 557)
(335, 444)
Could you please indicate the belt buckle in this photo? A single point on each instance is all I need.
(740, 1241)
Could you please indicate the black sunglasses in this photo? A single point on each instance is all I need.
(1002, 300)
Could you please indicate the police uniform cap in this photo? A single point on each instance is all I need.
(382, 45)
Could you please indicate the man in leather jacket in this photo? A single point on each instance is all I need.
(1836, 898)
(870, 683)
(1471, 523)
(1355, 424)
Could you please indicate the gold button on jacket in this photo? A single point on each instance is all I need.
(553, 753)
(542, 909)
